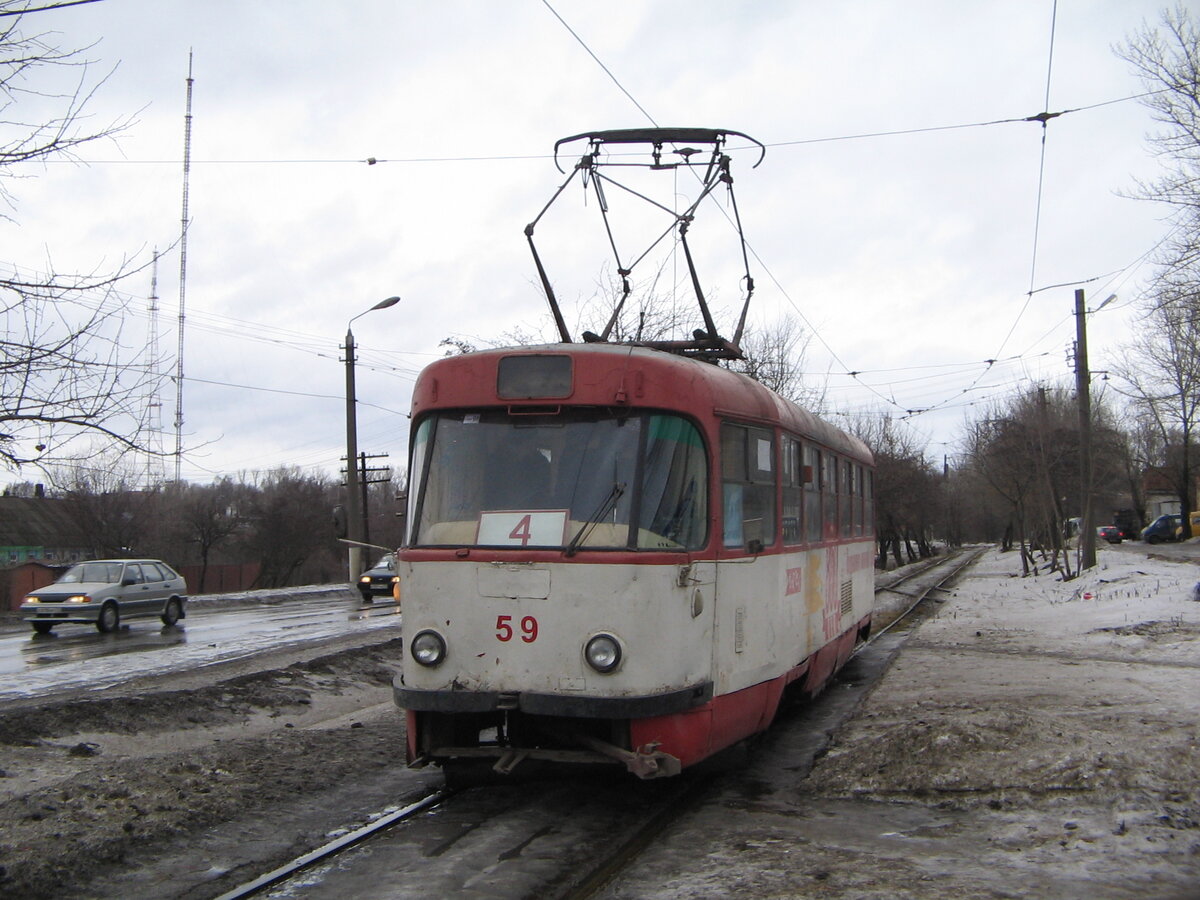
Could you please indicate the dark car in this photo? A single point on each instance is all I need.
(378, 580)
(1126, 522)
(1163, 528)
(102, 592)
(1110, 533)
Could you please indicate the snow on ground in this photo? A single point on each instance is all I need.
(1130, 604)
(1059, 722)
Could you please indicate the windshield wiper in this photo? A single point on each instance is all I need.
(607, 504)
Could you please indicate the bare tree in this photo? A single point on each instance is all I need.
(908, 492)
(65, 372)
(105, 501)
(1161, 366)
(1023, 450)
(288, 527)
(774, 356)
(1167, 61)
(1141, 447)
(207, 516)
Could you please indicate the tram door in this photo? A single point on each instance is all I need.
(745, 635)
(702, 597)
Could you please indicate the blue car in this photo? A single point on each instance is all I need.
(1161, 529)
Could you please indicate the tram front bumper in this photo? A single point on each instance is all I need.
(540, 704)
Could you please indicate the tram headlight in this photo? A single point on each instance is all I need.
(603, 653)
(428, 648)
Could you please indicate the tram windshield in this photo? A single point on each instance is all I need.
(580, 479)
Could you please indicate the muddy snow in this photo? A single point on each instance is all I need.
(92, 788)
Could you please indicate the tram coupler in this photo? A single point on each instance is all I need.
(509, 761)
(648, 762)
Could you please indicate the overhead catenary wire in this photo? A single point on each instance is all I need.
(532, 157)
(1041, 118)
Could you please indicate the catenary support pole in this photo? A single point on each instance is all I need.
(1087, 532)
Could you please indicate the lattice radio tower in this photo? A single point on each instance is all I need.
(152, 419)
(183, 233)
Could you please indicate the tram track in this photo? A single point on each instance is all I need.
(915, 586)
(340, 844)
(630, 835)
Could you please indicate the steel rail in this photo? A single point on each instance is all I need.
(350, 839)
(958, 568)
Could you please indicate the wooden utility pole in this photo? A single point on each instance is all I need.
(1087, 529)
(353, 501)
(356, 505)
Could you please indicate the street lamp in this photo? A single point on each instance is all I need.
(354, 511)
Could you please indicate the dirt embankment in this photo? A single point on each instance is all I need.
(86, 783)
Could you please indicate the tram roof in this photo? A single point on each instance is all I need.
(626, 375)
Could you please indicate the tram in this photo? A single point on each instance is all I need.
(621, 553)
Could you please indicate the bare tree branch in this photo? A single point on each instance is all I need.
(70, 374)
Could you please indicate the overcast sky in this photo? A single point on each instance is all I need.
(905, 246)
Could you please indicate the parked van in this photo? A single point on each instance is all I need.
(1164, 528)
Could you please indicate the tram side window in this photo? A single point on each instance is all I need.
(829, 498)
(848, 500)
(812, 495)
(748, 479)
(858, 499)
(416, 469)
(869, 502)
(674, 507)
(793, 489)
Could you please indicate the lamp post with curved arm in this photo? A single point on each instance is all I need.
(354, 509)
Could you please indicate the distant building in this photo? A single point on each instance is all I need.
(1162, 497)
(40, 529)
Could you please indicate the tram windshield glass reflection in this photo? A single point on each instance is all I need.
(580, 478)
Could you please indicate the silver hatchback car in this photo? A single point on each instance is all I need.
(102, 592)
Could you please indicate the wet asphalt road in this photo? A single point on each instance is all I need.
(77, 657)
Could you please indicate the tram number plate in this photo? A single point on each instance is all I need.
(523, 528)
(505, 631)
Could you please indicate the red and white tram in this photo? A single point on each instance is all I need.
(619, 554)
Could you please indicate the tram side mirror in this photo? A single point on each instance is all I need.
(340, 525)
(754, 546)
